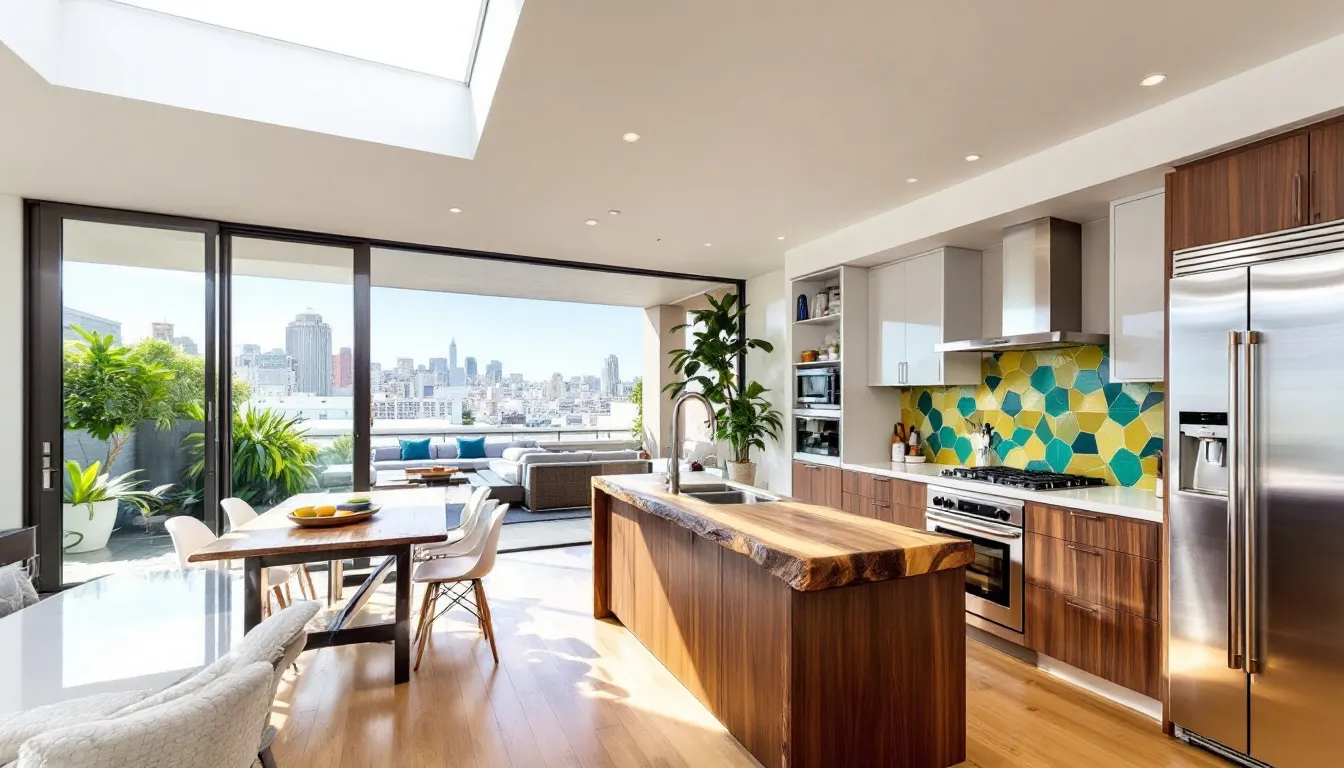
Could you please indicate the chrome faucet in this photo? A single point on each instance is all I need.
(674, 462)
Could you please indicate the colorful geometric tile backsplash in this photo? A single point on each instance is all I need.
(1051, 409)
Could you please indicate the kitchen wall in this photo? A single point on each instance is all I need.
(1096, 282)
(768, 318)
(1051, 410)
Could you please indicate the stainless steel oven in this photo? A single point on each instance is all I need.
(994, 580)
(818, 387)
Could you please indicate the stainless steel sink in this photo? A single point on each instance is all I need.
(726, 494)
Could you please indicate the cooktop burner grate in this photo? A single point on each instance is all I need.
(1034, 480)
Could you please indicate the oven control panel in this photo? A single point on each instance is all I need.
(976, 505)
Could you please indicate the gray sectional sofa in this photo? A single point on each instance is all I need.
(549, 479)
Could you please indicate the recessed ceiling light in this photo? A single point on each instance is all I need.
(613, 212)
(454, 210)
(971, 158)
(708, 244)
(911, 180)
(631, 137)
(591, 222)
(1157, 78)
(781, 237)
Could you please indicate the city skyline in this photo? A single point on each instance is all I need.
(577, 337)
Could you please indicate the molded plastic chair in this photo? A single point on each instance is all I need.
(458, 579)
(477, 504)
(190, 534)
(241, 513)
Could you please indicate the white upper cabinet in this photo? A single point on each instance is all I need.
(913, 306)
(1138, 276)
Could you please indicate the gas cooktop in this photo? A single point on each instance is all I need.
(1032, 480)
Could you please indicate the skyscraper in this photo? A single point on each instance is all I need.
(471, 368)
(405, 365)
(439, 366)
(343, 368)
(161, 331)
(555, 388)
(452, 354)
(494, 372)
(308, 341)
(611, 376)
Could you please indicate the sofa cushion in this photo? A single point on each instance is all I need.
(515, 452)
(507, 470)
(555, 457)
(415, 450)
(614, 455)
(23, 726)
(496, 449)
(471, 447)
(445, 450)
(387, 453)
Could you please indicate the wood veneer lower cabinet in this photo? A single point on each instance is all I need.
(817, 484)
(863, 675)
(883, 498)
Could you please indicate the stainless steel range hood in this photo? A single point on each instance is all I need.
(1042, 290)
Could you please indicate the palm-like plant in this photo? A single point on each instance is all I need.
(745, 418)
(271, 458)
(90, 485)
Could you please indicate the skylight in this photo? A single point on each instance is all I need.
(434, 37)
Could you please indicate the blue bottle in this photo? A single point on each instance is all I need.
(802, 306)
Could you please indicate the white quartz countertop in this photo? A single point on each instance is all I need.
(1107, 499)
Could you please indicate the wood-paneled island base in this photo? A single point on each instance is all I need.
(818, 638)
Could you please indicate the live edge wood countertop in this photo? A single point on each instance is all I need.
(806, 546)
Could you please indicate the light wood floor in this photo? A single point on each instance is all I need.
(574, 692)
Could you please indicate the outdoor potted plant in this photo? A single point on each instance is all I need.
(90, 504)
(745, 419)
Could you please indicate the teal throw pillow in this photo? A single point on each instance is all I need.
(473, 448)
(415, 450)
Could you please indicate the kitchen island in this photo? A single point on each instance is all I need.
(817, 637)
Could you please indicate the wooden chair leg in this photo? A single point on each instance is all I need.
(424, 611)
(426, 622)
(267, 759)
(279, 597)
(308, 577)
(289, 596)
(484, 609)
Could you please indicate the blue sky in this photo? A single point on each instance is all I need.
(535, 338)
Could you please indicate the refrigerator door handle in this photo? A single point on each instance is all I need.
(1235, 645)
(1249, 545)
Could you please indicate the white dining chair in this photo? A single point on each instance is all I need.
(466, 535)
(190, 534)
(458, 580)
(241, 513)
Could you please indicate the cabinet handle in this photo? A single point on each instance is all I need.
(1072, 604)
(1085, 517)
(1313, 199)
(1297, 198)
(1084, 551)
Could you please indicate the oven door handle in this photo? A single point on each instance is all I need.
(1009, 533)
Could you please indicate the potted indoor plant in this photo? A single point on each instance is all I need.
(744, 418)
(89, 511)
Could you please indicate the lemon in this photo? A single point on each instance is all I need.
(327, 511)
(346, 512)
(305, 512)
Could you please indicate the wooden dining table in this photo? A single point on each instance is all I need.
(407, 517)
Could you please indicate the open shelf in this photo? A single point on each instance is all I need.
(823, 320)
(816, 458)
(820, 413)
(818, 364)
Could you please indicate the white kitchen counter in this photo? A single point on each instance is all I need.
(1107, 499)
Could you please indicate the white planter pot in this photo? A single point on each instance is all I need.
(742, 472)
(88, 526)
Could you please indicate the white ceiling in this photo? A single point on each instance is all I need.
(759, 118)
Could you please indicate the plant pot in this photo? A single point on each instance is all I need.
(742, 472)
(87, 526)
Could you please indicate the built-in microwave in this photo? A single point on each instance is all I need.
(818, 388)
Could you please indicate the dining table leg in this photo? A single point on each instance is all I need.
(401, 667)
(335, 581)
(254, 592)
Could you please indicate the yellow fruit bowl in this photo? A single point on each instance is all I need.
(330, 517)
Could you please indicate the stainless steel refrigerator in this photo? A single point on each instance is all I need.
(1255, 478)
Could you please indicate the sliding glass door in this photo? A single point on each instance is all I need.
(122, 387)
